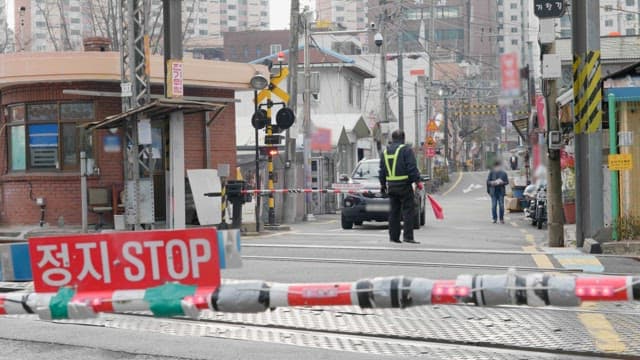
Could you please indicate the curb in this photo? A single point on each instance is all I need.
(591, 246)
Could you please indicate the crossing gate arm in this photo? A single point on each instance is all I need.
(173, 299)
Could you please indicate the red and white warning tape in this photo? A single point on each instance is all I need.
(389, 292)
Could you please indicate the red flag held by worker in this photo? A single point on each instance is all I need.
(437, 208)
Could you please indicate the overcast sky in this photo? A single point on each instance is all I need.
(279, 10)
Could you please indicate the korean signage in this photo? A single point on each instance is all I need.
(125, 260)
(545, 9)
(620, 162)
(321, 140)
(430, 152)
(175, 78)
(510, 74)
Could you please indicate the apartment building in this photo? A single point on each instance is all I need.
(617, 18)
(61, 25)
(350, 14)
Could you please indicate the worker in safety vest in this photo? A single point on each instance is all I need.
(398, 171)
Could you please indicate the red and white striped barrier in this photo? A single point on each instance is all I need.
(309, 191)
(389, 292)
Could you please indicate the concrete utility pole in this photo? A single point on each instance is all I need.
(401, 81)
(290, 178)
(554, 188)
(430, 50)
(588, 121)
(383, 79)
(307, 113)
(173, 53)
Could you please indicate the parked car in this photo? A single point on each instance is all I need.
(373, 205)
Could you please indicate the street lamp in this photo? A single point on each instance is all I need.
(258, 82)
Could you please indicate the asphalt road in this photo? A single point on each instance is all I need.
(466, 241)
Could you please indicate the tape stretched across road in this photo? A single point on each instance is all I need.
(387, 292)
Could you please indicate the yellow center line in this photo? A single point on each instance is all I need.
(606, 337)
(542, 261)
(454, 185)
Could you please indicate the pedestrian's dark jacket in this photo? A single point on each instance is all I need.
(497, 190)
(405, 164)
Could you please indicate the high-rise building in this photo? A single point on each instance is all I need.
(617, 18)
(513, 27)
(462, 29)
(56, 25)
(349, 14)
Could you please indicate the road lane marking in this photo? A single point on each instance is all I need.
(454, 185)
(530, 238)
(271, 235)
(575, 259)
(542, 261)
(605, 336)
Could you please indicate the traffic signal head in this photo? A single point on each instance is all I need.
(272, 152)
(285, 118)
(259, 119)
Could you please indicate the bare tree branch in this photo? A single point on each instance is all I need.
(44, 10)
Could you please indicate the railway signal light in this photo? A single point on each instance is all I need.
(259, 119)
(285, 118)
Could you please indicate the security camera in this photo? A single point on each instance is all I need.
(378, 39)
(372, 26)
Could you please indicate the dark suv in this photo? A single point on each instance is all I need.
(373, 205)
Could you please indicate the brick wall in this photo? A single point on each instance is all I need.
(61, 190)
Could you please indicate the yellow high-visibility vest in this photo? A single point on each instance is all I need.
(391, 169)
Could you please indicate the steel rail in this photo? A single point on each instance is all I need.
(425, 250)
(406, 263)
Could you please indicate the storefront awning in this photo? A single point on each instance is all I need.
(159, 109)
(522, 127)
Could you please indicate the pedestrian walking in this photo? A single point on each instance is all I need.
(513, 161)
(398, 171)
(496, 184)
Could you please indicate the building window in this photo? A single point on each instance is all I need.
(608, 8)
(359, 97)
(514, 42)
(47, 136)
(631, 2)
(275, 48)
(203, 32)
(450, 34)
(608, 23)
(202, 20)
(351, 92)
(514, 29)
(513, 5)
(258, 51)
(514, 17)
(631, 17)
(630, 31)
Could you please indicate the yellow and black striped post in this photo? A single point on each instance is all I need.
(270, 184)
(223, 202)
(587, 92)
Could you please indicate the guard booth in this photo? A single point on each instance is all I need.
(147, 195)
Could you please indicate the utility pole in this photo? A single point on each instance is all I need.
(446, 131)
(400, 82)
(416, 114)
(307, 114)
(431, 50)
(554, 189)
(290, 208)
(173, 53)
(588, 121)
(383, 78)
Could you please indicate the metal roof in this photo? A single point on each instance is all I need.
(156, 109)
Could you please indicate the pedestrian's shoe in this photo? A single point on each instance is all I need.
(411, 241)
(495, 221)
(501, 221)
(396, 241)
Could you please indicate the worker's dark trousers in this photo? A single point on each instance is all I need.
(402, 207)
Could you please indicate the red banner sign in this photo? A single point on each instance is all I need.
(430, 152)
(125, 260)
(321, 140)
(510, 74)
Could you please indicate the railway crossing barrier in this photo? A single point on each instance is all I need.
(177, 272)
